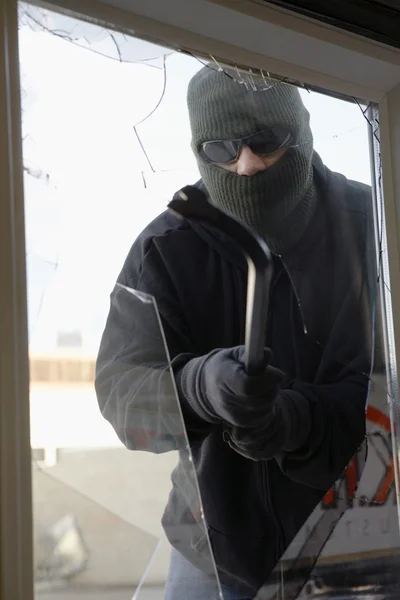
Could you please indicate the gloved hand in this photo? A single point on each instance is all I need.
(218, 388)
(264, 441)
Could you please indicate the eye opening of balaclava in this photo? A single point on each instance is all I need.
(278, 202)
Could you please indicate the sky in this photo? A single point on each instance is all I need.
(90, 189)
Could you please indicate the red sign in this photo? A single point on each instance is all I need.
(385, 480)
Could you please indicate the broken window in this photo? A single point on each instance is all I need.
(107, 143)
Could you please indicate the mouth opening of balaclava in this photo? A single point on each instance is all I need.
(278, 202)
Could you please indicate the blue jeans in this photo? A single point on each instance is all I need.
(186, 582)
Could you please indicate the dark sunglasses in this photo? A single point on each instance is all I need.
(262, 143)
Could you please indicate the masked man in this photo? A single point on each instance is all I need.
(265, 448)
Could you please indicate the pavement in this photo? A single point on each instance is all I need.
(157, 593)
(149, 593)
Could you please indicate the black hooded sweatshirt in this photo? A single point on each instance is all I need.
(320, 330)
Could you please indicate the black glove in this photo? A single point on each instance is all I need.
(218, 388)
(268, 438)
(260, 420)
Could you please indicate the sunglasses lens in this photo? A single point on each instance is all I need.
(221, 151)
(269, 141)
(262, 143)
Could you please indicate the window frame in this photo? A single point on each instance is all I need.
(16, 561)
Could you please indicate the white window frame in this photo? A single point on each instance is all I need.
(372, 72)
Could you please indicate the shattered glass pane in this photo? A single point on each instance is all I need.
(103, 155)
(112, 44)
(98, 508)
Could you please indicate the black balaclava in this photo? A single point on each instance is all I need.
(278, 202)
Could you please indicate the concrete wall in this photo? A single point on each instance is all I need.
(117, 496)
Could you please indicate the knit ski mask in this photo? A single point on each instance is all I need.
(278, 202)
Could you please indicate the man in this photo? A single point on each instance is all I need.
(266, 448)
